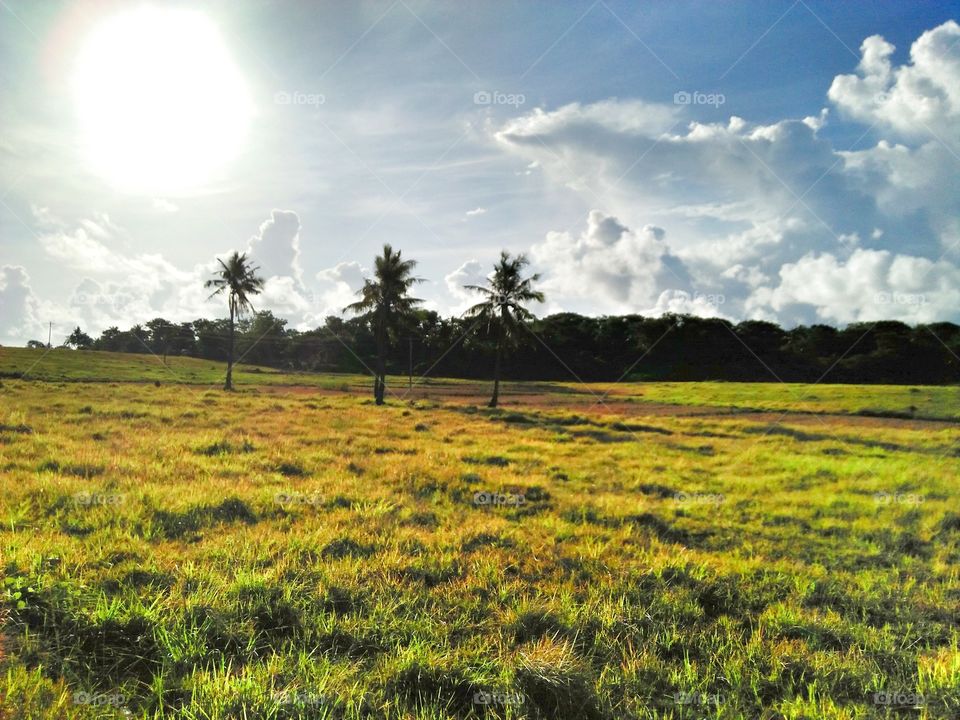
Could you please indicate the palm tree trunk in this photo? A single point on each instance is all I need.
(228, 385)
(379, 382)
(496, 369)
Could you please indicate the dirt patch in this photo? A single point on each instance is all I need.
(558, 397)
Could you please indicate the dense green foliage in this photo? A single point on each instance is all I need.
(573, 346)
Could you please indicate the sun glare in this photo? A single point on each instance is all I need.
(161, 106)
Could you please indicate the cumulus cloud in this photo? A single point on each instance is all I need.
(869, 285)
(915, 100)
(472, 272)
(912, 172)
(276, 247)
(681, 302)
(338, 287)
(19, 309)
(114, 287)
(619, 269)
(750, 209)
(727, 182)
(604, 119)
(79, 250)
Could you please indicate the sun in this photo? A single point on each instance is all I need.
(161, 106)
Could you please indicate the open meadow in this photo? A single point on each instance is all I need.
(430, 360)
(290, 550)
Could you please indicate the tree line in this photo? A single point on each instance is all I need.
(389, 334)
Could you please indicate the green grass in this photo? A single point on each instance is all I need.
(62, 364)
(905, 401)
(897, 401)
(291, 552)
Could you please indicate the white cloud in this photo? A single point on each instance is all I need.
(869, 285)
(20, 320)
(750, 276)
(164, 205)
(620, 270)
(769, 215)
(744, 203)
(528, 170)
(338, 287)
(630, 117)
(45, 219)
(919, 99)
(276, 248)
(117, 288)
(476, 211)
(681, 302)
(472, 272)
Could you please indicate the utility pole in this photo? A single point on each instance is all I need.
(49, 335)
(410, 340)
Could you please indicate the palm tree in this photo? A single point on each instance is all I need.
(503, 308)
(238, 278)
(385, 300)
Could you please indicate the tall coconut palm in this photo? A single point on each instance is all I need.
(502, 308)
(385, 299)
(237, 277)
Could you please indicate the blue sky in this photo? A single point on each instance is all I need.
(811, 177)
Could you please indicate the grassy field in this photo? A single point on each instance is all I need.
(607, 551)
(62, 364)
(932, 403)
